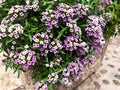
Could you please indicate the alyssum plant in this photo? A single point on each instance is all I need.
(54, 39)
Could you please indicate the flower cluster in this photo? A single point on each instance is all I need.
(55, 46)
(17, 11)
(26, 58)
(56, 63)
(33, 7)
(74, 28)
(95, 25)
(108, 16)
(84, 48)
(105, 3)
(80, 10)
(50, 17)
(64, 13)
(41, 41)
(73, 71)
(72, 42)
(53, 77)
(15, 30)
(41, 85)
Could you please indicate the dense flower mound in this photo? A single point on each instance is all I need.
(56, 42)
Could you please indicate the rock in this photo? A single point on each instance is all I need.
(105, 81)
(115, 52)
(119, 69)
(20, 88)
(97, 84)
(107, 58)
(116, 82)
(117, 76)
(112, 66)
(103, 71)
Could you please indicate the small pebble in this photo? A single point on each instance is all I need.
(105, 81)
(97, 84)
(103, 71)
(107, 58)
(116, 82)
(117, 76)
(112, 66)
(119, 69)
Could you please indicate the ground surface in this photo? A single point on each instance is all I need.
(106, 78)
(108, 75)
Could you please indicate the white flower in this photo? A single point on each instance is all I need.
(22, 57)
(47, 65)
(23, 61)
(36, 40)
(55, 47)
(26, 46)
(28, 58)
(41, 42)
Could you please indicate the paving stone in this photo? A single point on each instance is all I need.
(106, 82)
(107, 58)
(117, 76)
(97, 84)
(112, 66)
(103, 71)
(119, 69)
(116, 82)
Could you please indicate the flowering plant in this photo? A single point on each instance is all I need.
(55, 39)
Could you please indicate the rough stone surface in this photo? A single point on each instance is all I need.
(103, 71)
(116, 82)
(117, 76)
(105, 81)
(119, 69)
(112, 66)
(97, 84)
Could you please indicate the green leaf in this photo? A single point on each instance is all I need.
(34, 19)
(61, 32)
(51, 86)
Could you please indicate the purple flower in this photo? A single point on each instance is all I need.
(41, 41)
(26, 58)
(55, 46)
(94, 27)
(41, 85)
(105, 3)
(72, 42)
(80, 10)
(53, 78)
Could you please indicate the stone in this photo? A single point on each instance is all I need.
(20, 88)
(116, 82)
(112, 66)
(115, 52)
(118, 69)
(106, 82)
(97, 84)
(107, 58)
(117, 76)
(103, 71)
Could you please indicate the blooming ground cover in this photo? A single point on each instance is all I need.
(56, 39)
